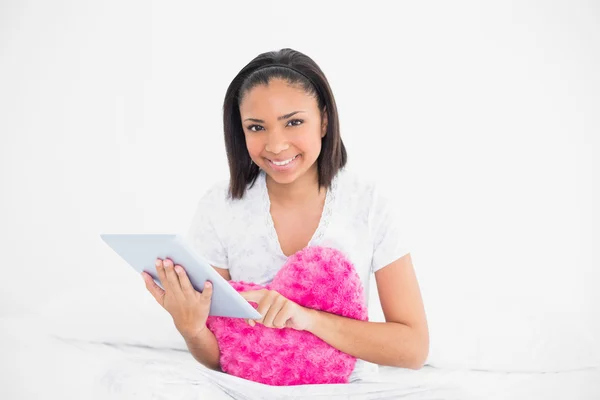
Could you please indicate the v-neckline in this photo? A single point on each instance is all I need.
(323, 220)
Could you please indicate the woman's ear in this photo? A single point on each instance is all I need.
(324, 122)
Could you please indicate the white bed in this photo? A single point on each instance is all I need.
(37, 365)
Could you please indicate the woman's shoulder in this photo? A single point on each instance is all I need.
(355, 184)
(217, 192)
(359, 191)
(354, 194)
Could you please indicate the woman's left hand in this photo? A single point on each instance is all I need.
(278, 311)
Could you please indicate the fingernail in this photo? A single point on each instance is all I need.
(207, 284)
(178, 269)
(157, 263)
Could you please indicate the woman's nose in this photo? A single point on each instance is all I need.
(276, 143)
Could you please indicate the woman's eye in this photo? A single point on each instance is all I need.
(297, 120)
(253, 126)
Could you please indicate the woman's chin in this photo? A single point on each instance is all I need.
(282, 179)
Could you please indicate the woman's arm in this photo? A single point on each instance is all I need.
(205, 349)
(401, 341)
(224, 272)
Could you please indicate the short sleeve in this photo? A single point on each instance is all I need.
(203, 234)
(387, 231)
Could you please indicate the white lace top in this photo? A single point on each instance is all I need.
(239, 235)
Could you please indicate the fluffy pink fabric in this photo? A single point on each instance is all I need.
(315, 277)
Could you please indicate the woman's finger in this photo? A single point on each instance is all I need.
(208, 290)
(173, 279)
(276, 306)
(284, 315)
(153, 288)
(264, 305)
(184, 281)
(162, 277)
(254, 295)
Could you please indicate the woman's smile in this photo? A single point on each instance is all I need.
(284, 165)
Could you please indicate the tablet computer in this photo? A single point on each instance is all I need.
(141, 250)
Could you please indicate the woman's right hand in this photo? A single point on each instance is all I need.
(188, 307)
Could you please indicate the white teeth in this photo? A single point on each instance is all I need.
(284, 162)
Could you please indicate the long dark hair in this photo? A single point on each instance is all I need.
(333, 155)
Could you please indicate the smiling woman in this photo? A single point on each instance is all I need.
(289, 189)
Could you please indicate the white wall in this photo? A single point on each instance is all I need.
(483, 117)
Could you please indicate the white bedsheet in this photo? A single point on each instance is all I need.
(36, 365)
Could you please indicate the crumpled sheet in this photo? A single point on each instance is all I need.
(39, 366)
(175, 374)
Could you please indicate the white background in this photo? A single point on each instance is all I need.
(482, 118)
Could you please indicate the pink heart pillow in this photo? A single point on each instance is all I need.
(320, 278)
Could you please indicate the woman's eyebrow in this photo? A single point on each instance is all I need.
(278, 118)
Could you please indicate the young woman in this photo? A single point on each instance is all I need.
(289, 189)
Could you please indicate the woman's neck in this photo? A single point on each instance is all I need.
(303, 190)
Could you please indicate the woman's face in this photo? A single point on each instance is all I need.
(282, 125)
